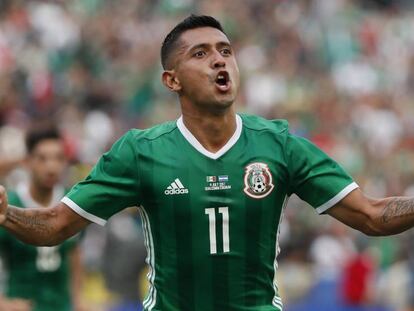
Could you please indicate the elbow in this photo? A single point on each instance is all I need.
(372, 226)
(58, 237)
(372, 230)
(52, 233)
(52, 240)
(368, 222)
(39, 242)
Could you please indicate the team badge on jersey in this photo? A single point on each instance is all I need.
(258, 180)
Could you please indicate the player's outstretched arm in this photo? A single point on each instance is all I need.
(375, 216)
(40, 226)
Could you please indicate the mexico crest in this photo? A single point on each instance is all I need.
(257, 180)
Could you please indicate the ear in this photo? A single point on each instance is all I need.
(170, 80)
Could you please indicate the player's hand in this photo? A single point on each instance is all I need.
(15, 305)
(3, 204)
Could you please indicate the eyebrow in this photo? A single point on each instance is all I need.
(206, 45)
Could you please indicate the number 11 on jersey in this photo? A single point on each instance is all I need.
(211, 212)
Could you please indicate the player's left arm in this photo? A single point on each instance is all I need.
(375, 217)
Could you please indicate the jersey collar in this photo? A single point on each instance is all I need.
(196, 144)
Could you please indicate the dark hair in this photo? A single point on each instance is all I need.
(39, 133)
(191, 22)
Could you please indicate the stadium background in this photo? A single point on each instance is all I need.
(341, 72)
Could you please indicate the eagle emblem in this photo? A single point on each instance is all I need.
(258, 182)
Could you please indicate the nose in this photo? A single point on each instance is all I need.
(218, 60)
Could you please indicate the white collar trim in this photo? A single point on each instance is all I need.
(23, 192)
(199, 147)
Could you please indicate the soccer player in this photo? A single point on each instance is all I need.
(41, 278)
(211, 187)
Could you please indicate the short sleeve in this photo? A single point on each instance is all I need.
(111, 186)
(314, 176)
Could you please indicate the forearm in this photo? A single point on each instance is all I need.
(36, 226)
(376, 217)
(394, 215)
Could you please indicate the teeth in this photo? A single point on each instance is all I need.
(220, 77)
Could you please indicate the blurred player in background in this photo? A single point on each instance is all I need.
(41, 278)
(211, 186)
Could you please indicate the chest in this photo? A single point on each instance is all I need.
(182, 178)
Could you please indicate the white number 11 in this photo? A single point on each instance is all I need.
(211, 212)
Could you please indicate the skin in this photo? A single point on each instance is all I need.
(46, 163)
(209, 114)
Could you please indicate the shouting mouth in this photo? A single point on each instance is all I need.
(222, 81)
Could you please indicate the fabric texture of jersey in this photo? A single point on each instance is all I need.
(39, 274)
(211, 220)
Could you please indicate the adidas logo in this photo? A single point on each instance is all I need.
(176, 187)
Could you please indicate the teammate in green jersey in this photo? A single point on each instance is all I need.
(41, 278)
(211, 187)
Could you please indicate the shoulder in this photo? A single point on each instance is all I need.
(257, 123)
(152, 133)
(136, 139)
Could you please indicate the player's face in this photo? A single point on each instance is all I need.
(47, 162)
(206, 68)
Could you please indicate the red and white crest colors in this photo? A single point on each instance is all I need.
(258, 181)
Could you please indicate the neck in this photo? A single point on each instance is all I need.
(212, 130)
(41, 195)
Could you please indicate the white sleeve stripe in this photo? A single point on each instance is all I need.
(342, 194)
(78, 210)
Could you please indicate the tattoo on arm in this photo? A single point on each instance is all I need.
(31, 220)
(397, 208)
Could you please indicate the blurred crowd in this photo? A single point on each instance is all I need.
(341, 72)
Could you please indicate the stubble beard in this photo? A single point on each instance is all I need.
(217, 106)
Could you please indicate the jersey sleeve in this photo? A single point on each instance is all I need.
(111, 186)
(314, 176)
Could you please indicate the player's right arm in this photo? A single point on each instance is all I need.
(15, 304)
(111, 186)
(40, 226)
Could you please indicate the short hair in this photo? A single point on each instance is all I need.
(191, 22)
(37, 134)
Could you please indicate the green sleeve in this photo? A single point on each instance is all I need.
(314, 176)
(111, 186)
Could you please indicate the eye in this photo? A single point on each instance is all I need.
(199, 54)
(226, 51)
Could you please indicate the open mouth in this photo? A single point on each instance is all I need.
(223, 81)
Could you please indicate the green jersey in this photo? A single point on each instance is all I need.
(40, 274)
(211, 220)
